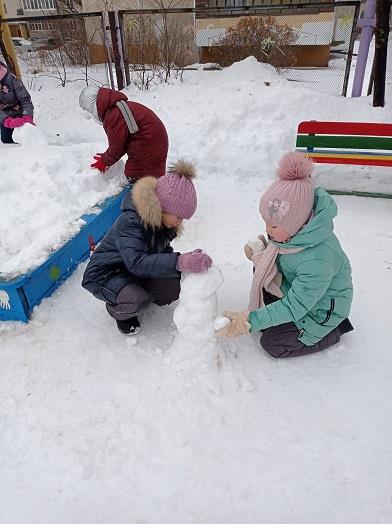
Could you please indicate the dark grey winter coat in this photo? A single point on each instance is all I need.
(15, 100)
(137, 246)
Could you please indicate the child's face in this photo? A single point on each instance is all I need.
(169, 220)
(276, 233)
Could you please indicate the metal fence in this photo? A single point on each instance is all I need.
(66, 47)
(308, 42)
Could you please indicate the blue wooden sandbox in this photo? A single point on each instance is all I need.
(19, 296)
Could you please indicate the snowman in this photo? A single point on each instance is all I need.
(196, 353)
(195, 346)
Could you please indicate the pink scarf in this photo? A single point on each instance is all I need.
(3, 72)
(266, 275)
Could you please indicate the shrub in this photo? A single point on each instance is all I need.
(262, 37)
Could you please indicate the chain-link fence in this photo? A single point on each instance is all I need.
(158, 46)
(308, 42)
(65, 48)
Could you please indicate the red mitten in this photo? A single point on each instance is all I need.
(99, 164)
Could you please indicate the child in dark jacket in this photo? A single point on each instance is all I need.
(131, 128)
(134, 264)
(302, 289)
(16, 108)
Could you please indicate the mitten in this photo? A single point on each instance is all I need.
(194, 262)
(254, 247)
(11, 123)
(238, 325)
(99, 164)
(27, 119)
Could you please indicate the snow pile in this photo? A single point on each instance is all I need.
(30, 135)
(43, 192)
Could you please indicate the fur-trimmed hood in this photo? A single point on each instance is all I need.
(144, 200)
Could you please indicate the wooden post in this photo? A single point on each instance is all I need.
(383, 10)
(6, 45)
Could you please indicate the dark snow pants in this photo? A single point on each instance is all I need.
(6, 135)
(282, 341)
(134, 297)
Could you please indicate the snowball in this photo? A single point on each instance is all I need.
(30, 135)
(220, 323)
(256, 245)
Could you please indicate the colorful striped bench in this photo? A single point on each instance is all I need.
(355, 143)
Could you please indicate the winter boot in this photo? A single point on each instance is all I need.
(131, 326)
(345, 326)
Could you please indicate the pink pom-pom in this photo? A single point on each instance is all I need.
(294, 166)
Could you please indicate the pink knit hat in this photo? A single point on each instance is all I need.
(176, 192)
(3, 71)
(288, 202)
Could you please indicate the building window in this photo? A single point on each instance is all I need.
(39, 5)
(40, 26)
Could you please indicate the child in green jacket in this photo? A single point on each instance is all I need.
(302, 289)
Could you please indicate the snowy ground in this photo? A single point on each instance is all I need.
(99, 429)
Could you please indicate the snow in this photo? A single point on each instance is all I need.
(196, 311)
(315, 33)
(256, 245)
(53, 181)
(221, 322)
(175, 425)
(30, 135)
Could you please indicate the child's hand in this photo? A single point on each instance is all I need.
(99, 164)
(12, 123)
(194, 262)
(255, 246)
(238, 325)
(27, 119)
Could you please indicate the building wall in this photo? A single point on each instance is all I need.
(11, 6)
(240, 3)
(305, 56)
(97, 5)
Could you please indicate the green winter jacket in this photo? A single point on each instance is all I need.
(317, 286)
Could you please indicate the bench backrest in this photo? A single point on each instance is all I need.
(357, 143)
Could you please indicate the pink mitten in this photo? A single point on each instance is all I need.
(27, 119)
(194, 262)
(11, 123)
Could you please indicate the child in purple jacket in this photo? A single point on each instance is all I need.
(16, 108)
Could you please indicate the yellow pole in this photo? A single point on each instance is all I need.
(7, 46)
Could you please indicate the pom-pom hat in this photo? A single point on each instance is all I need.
(288, 202)
(176, 192)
